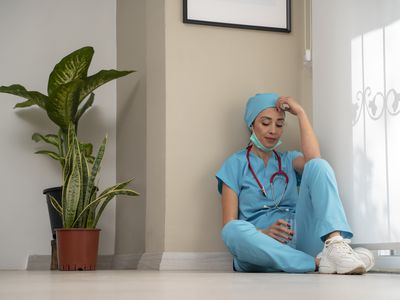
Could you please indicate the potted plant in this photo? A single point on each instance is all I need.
(70, 95)
(82, 206)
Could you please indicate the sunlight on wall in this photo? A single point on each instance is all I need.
(376, 126)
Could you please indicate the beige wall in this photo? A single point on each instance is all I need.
(141, 125)
(155, 131)
(131, 125)
(210, 73)
(196, 80)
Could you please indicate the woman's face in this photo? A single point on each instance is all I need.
(268, 126)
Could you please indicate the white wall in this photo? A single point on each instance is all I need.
(35, 35)
(355, 47)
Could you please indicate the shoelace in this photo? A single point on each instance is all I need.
(342, 246)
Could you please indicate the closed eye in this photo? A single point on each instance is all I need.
(278, 124)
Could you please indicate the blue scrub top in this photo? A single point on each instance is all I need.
(253, 205)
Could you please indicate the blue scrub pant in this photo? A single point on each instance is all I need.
(319, 211)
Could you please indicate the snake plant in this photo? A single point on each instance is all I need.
(81, 205)
(70, 95)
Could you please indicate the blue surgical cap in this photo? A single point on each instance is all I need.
(257, 104)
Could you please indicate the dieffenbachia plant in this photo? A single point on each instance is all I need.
(70, 95)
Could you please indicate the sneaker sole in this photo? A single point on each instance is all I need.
(366, 256)
(326, 270)
(356, 271)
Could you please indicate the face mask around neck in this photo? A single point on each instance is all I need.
(257, 143)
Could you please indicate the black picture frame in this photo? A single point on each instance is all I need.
(283, 19)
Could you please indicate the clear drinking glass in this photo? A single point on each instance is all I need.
(291, 219)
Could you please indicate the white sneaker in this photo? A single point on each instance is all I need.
(366, 256)
(338, 257)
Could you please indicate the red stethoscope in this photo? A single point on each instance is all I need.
(279, 173)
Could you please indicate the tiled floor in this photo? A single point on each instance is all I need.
(142, 285)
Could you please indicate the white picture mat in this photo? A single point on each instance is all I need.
(264, 13)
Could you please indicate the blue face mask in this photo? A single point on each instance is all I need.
(257, 143)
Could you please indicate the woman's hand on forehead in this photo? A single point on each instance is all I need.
(287, 103)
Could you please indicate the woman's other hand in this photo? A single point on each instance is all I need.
(279, 231)
(287, 103)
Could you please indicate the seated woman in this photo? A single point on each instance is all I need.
(271, 225)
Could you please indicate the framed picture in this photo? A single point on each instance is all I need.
(272, 15)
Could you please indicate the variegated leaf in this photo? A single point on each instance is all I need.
(84, 107)
(63, 105)
(52, 154)
(95, 169)
(73, 66)
(56, 205)
(93, 82)
(33, 97)
(86, 149)
(52, 139)
(109, 195)
(72, 190)
(126, 192)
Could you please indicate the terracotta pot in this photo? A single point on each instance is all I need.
(77, 248)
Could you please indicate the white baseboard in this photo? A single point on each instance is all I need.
(199, 261)
(205, 261)
(194, 261)
(38, 262)
(150, 261)
(126, 261)
(387, 264)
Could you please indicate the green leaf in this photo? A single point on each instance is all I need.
(48, 138)
(52, 154)
(86, 149)
(69, 137)
(84, 107)
(72, 195)
(91, 213)
(121, 185)
(95, 169)
(73, 66)
(62, 139)
(56, 205)
(72, 189)
(85, 176)
(33, 97)
(110, 194)
(93, 82)
(63, 105)
(90, 188)
(67, 165)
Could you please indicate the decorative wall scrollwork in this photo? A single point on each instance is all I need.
(375, 105)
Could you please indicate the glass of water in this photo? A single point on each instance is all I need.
(291, 219)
